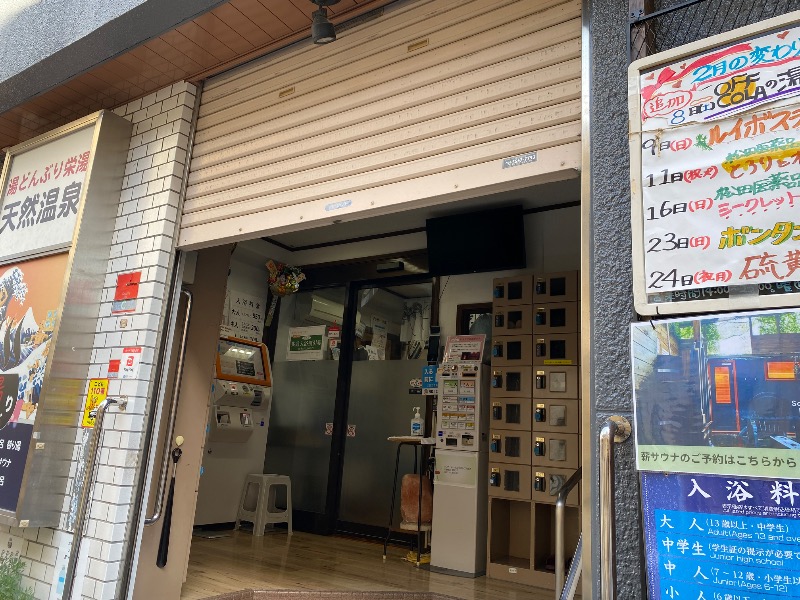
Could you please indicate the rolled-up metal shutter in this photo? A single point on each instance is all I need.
(432, 99)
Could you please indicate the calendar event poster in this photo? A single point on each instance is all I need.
(30, 295)
(721, 538)
(718, 394)
(716, 197)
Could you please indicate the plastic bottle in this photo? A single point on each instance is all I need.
(417, 423)
(62, 577)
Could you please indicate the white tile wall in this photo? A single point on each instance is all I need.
(145, 231)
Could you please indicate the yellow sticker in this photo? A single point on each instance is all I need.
(98, 391)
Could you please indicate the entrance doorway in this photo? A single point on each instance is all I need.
(331, 413)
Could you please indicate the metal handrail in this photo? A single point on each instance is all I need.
(615, 429)
(158, 506)
(86, 490)
(571, 583)
(561, 505)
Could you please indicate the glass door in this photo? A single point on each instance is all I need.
(392, 326)
(305, 374)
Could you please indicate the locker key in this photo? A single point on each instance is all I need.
(494, 478)
(540, 415)
(497, 411)
(541, 348)
(538, 447)
(497, 379)
(499, 291)
(496, 445)
(539, 484)
(499, 320)
(541, 286)
(541, 380)
(541, 317)
(497, 350)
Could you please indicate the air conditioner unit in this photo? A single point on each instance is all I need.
(320, 311)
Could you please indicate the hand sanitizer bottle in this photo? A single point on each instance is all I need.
(417, 423)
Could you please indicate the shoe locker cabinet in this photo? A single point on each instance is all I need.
(535, 415)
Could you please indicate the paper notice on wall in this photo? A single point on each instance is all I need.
(245, 316)
(306, 343)
(719, 179)
(131, 363)
(379, 337)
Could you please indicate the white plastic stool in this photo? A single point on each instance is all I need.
(265, 512)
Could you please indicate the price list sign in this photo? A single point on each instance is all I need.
(715, 174)
(721, 538)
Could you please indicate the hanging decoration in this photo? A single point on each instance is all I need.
(283, 280)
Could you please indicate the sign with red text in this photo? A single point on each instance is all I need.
(42, 194)
(715, 174)
(130, 363)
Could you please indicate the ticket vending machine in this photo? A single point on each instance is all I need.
(458, 540)
(241, 396)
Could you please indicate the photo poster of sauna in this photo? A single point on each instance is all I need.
(30, 294)
(718, 394)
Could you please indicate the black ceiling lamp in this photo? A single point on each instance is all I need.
(322, 30)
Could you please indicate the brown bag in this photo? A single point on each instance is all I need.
(409, 499)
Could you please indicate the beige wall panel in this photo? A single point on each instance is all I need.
(360, 66)
(488, 80)
(272, 180)
(553, 164)
(536, 140)
(302, 150)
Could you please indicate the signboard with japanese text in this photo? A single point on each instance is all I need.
(306, 343)
(30, 293)
(245, 316)
(98, 391)
(715, 167)
(718, 394)
(430, 385)
(720, 538)
(126, 292)
(42, 193)
(464, 348)
(131, 363)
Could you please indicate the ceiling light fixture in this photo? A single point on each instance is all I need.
(322, 30)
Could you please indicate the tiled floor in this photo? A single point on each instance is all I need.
(310, 562)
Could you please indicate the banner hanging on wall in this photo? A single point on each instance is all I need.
(42, 195)
(715, 173)
(30, 293)
(718, 394)
(717, 538)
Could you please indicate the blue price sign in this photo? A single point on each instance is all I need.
(721, 538)
(429, 384)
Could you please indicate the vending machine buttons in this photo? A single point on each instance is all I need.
(497, 379)
(541, 380)
(539, 484)
(541, 316)
(496, 445)
(497, 350)
(538, 447)
(499, 320)
(541, 347)
(494, 478)
(540, 414)
(541, 286)
(497, 411)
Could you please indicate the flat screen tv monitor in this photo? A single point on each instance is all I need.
(477, 242)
